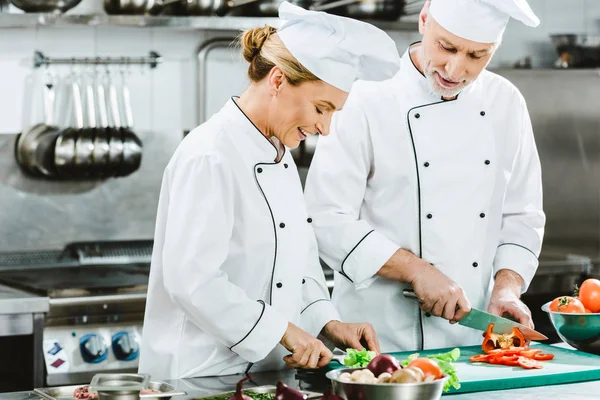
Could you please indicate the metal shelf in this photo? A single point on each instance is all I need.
(8, 21)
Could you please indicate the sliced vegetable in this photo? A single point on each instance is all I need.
(384, 363)
(543, 357)
(358, 359)
(480, 358)
(528, 363)
(493, 340)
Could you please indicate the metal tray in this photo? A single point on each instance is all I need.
(165, 391)
(267, 389)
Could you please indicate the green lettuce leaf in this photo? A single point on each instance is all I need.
(445, 362)
(358, 359)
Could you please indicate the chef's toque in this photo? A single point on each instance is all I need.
(482, 21)
(336, 49)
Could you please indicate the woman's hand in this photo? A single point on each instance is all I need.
(356, 336)
(307, 350)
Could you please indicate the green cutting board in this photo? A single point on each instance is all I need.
(568, 366)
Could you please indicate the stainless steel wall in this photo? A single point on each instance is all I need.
(565, 109)
(39, 214)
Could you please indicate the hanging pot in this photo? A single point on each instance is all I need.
(389, 10)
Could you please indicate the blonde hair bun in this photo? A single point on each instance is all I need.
(253, 41)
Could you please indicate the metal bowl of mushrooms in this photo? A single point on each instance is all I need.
(402, 384)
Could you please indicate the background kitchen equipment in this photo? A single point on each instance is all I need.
(577, 51)
(173, 7)
(45, 6)
(389, 10)
(74, 151)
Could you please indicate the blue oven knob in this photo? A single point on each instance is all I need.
(125, 346)
(93, 349)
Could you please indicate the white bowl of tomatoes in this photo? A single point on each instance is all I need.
(576, 318)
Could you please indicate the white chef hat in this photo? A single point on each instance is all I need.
(482, 21)
(335, 49)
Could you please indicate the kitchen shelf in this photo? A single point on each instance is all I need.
(11, 21)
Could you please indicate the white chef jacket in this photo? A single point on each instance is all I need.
(234, 257)
(457, 182)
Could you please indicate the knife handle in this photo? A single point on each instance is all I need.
(410, 294)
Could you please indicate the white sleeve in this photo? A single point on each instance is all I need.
(198, 231)
(317, 309)
(523, 218)
(334, 191)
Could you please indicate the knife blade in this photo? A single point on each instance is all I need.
(480, 320)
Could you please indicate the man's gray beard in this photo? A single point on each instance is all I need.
(437, 90)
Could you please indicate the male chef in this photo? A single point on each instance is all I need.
(431, 182)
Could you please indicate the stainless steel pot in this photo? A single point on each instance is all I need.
(64, 152)
(115, 139)
(100, 166)
(84, 144)
(172, 7)
(389, 10)
(132, 145)
(45, 6)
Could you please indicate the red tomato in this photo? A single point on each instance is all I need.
(428, 366)
(543, 357)
(528, 363)
(567, 304)
(589, 294)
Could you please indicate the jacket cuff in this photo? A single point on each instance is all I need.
(263, 337)
(366, 259)
(516, 258)
(316, 315)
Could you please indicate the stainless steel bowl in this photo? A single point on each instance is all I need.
(45, 6)
(385, 391)
(581, 331)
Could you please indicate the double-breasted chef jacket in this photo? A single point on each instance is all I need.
(234, 257)
(457, 182)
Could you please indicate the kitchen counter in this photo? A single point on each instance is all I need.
(199, 387)
(13, 301)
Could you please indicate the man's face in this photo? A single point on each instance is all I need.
(449, 62)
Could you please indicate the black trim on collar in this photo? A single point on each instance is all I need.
(411, 60)
(272, 221)
(256, 323)
(259, 131)
(518, 245)
(316, 301)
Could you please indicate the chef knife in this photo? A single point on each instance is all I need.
(480, 321)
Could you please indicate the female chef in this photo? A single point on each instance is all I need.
(235, 279)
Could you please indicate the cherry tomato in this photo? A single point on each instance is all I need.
(528, 363)
(428, 366)
(589, 294)
(567, 304)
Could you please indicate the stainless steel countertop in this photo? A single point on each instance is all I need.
(13, 301)
(316, 382)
